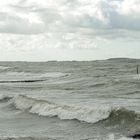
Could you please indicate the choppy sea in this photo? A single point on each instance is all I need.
(70, 100)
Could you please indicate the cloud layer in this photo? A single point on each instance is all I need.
(33, 16)
(68, 23)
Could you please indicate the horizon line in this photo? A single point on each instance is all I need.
(37, 61)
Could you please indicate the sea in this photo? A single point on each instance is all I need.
(70, 100)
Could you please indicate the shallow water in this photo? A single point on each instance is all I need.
(96, 100)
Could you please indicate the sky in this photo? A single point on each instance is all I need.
(42, 30)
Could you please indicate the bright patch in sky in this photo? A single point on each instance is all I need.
(41, 30)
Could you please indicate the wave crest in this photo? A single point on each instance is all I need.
(46, 108)
(87, 114)
(122, 116)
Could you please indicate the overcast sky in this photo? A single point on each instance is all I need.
(41, 30)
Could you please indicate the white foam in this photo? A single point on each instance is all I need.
(112, 137)
(45, 108)
(3, 67)
(2, 97)
(124, 138)
(54, 74)
(49, 74)
(15, 76)
(18, 73)
(136, 76)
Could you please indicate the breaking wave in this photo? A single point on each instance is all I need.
(123, 116)
(86, 114)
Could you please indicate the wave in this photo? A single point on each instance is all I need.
(122, 116)
(3, 67)
(50, 109)
(26, 138)
(47, 138)
(5, 98)
(110, 137)
(22, 81)
(86, 114)
(24, 77)
(48, 74)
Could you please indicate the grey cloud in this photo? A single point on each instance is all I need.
(102, 18)
(14, 24)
